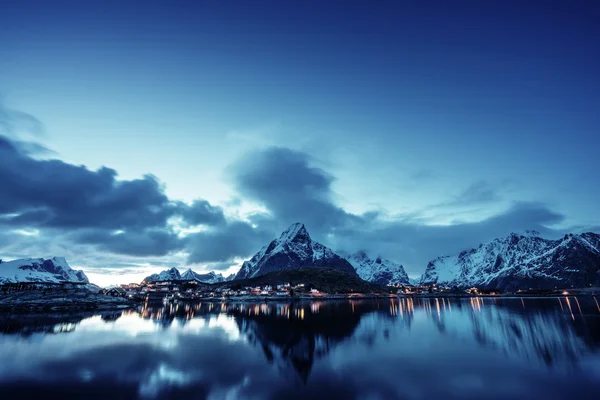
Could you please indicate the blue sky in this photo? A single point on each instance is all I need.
(399, 118)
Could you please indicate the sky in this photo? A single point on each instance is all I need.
(136, 136)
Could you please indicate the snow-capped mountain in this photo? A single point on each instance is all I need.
(166, 275)
(189, 275)
(52, 270)
(520, 262)
(211, 277)
(293, 249)
(229, 277)
(377, 270)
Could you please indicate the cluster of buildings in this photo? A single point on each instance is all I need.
(198, 290)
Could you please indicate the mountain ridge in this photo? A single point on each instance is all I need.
(173, 274)
(520, 261)
(51, 270)
(293, 249)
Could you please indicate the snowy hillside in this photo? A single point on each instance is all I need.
(55, 270)
(377, 270)
(293, 249)
(522, 261)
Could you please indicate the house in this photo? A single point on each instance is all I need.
(264, 293)
(314, 291)
(282, 293)
(268, 288)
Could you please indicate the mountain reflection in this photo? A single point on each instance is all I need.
(294, 336)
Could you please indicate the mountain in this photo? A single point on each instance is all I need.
(211, 277)
(325, 279)
(189, 275)
(230, 277)
(54, 270)
(522, 262)
(293, 249)
(377, 270)
(166, 275)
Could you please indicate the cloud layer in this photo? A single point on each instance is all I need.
(48, 198)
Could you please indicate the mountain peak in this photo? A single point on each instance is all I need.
(55, 269)
(293, 249)
(188, 275)
(295, 232)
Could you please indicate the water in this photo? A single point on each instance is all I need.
(489, 348)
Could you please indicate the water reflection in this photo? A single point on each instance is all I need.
(473, 348)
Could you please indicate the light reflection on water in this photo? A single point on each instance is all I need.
(399, 348)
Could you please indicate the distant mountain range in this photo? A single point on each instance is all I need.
(293, 249)
(521, 262)
(518, 261)
(52, 270)
(173, 274)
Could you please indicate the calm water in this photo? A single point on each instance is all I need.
(422, 349)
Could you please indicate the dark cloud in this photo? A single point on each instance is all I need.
(147, 242)
(223, 243)
(284, 181)
(94, 207)
(33, 149)
(201, 212)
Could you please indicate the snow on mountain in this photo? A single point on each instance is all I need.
(210, 277)
(293, 249)
(52, 270)
(377, 270)
(173, 274)
(166, 275)
(230, 277)
(522, 261)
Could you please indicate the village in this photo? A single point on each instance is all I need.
(194, 290)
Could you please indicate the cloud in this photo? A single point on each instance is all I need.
(14, 123)
(201, 212)
(120, 216)
(288, 185)
(146, 242)
(478, 192)
(226, 242)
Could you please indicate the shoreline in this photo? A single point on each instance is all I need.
(37, 302)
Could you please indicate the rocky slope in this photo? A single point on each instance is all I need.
(377, 270)
(522, 262)
(52, 270)
(293, 249)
